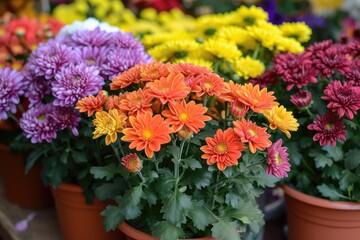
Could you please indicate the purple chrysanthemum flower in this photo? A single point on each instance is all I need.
(343, 98)
(121, 59)
(66, 118)
(48, 58)
(329, 128)
(75, 82)
(278, 160)
(91, 38)
(11, 88)
(92, 56)
(37, 87)
(301, 99)
(313, 21)
(38, 125)
(125, 40)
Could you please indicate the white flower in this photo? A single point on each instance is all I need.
(352, 7)
(88, 24)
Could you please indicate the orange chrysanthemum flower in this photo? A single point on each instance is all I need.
(113, 102)
(258, 100)
(190, 115)
(224, 149)
(256, 136)
(92, 104)
(169, 88)
(131, 162)
(136, 102)
(154, 71)
(279, 118)
(211, 84)
(233, 88)
(126, 78)
(109, 124)
(147, 132)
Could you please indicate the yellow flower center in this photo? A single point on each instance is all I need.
(41, 118)
(221, 148)
(329, 126)
(252, 132)
(183, 116)
(147, 134)
(277, 159)
(208, 85)
(164, 89)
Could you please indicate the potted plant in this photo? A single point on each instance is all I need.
(81, 59)
(19, 36)
(321, 87)
(193, 151)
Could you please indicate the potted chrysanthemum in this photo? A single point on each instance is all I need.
(322, 87)
(192, 152)
(84, 57)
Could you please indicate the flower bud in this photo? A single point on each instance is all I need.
(131, 162)
(185, 133)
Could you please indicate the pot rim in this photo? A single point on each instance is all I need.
(320, 202)
(68, 187)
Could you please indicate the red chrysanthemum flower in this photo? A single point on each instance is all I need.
(343, 98)
(249, 132)
(92, 104)
(136, 102)
(258, 100)
(182, 114)
(210, 84)
(329, 128)
(169, 88)
(278, 160)
(224, 149)
(126, 78)
(147, 133)
(301, 99)
(131, 162)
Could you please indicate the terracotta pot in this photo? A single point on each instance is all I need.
(79, 220)
(25, 190)
(313, 218)
(134, 234)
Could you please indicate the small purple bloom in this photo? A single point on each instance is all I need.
(92, 56)
(37, 87)
(38, 124)
(125, 40)
(11, 88)
(75, 82)
(66, 118)
(91, 38)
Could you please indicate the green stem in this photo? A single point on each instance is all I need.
(12, 116)
(177, 162)
(205, 98)
(216, 189)
(120, 147)
(115, 151)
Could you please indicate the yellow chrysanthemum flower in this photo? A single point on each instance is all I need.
(284, 44)
(196, 61)
(265, 33)
(325, 7)
(141, 27)
(221, 49)
(109, 124)
(148, 14)
(207, 25)
(237, 35)
(298, 30)
(279, 118)
(170, 51)
(247, 16)
(152, 40)
(248, 67)
(68, 14)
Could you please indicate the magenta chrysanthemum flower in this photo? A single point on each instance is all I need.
(48, 59)
(94, 38)
(66, 118)
(268, 78)
(278, 160)
(301, 99)
(121, 59)
(330, 60)
(319, 47)
(343, 98)
(11, 88)
(75, 82)
(353, 75)
(38, 124)
(353, 48)
(329, 128)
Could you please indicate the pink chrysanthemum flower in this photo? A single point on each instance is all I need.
(353, 75)
(343, 98)
(329, 128)
(278, 160)
(301, 99)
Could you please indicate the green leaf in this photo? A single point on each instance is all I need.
(246, 212)
(167, 231)
(232, 198)
(352, 159)
(348, 179)
(191, 163)
(173, 150)
(110, 190)
(33, 157)
(64, 156)
(113, 217)
(103, 172)
(175, 209)
(294, 154)
(334, 152)
(263, 179)
(329, 192)
(79, 157)
(200, 178)
(225, 230)
(201, 217)
(130, 204)
(321, 161)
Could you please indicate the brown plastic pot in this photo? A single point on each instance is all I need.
(134, 234)
(25, 190)
(313, 218)
(79, 220)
